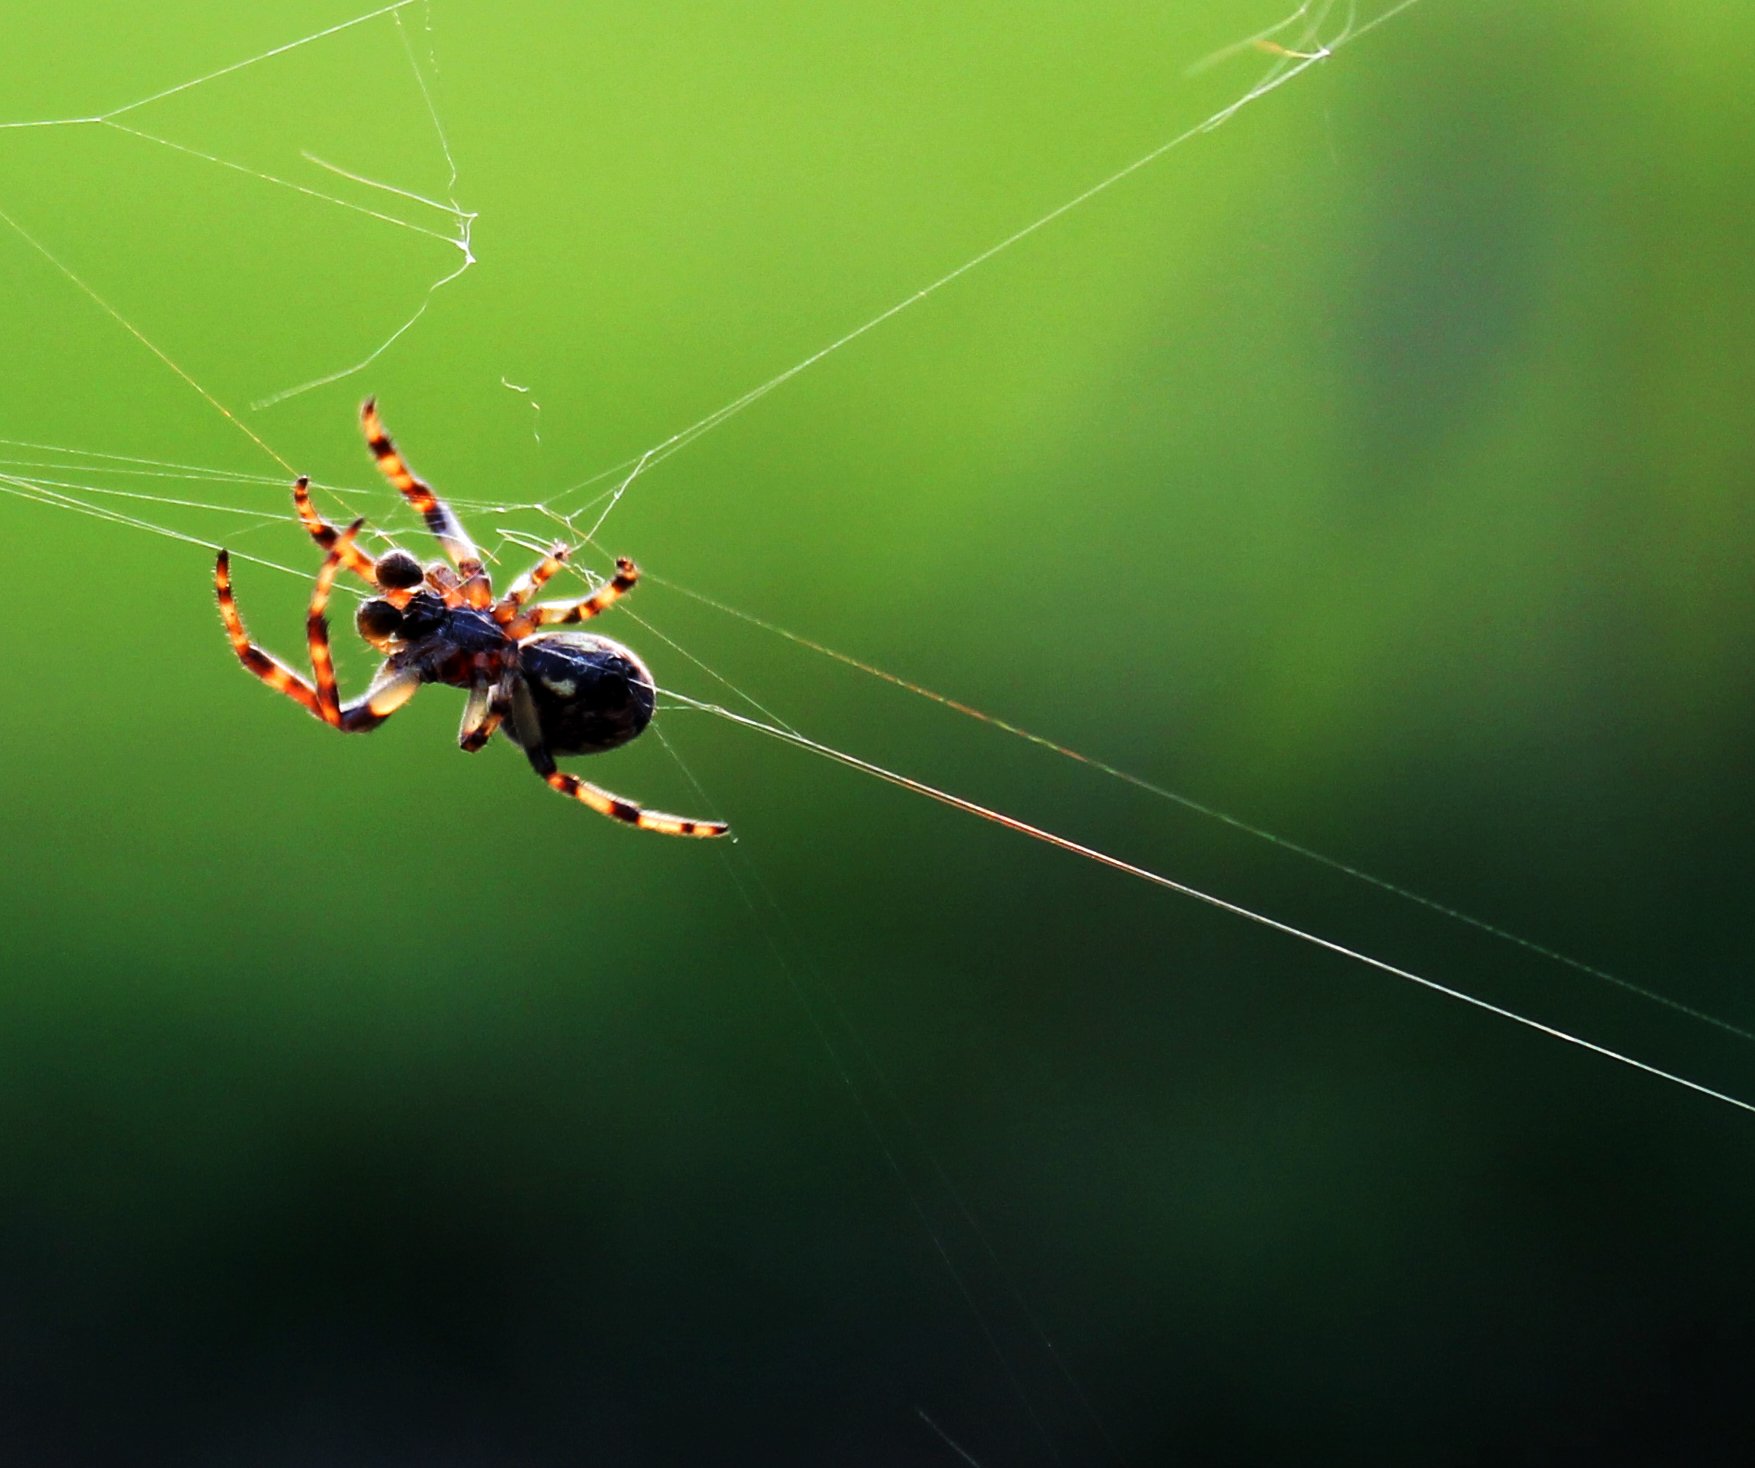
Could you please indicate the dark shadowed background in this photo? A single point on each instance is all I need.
(1375, 468)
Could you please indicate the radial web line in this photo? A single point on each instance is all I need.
(1145, 874)
(168, 361)
(143, 338)
(1200, 808)
(268, 55)
(452, 208)
(426, 93)
(1161, 792)
(64, 466)
(342, 373)
(48, 490)
(138, 464)
(253, 512)
(464, 240)
(949, 1441)
(25, 489)
(281, 50)
(1289, 66)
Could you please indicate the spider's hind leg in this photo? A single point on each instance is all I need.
(529, 733)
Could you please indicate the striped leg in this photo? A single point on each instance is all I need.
(481, 716)
(389, 691)
(326, 535)
(396, 575)
(264, 665)
(601, 801)
(531, 582)
(317, 626)
(441, 520)
(553, 613)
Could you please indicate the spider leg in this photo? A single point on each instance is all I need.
(396, 576)
(326, 535)
(441, 520)
(389, 691)
(481, 716)
(532, 581)
(264, 665)
(602, 801)
(552, 613)
(317, 627)
(392, 688)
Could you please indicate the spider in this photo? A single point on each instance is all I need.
(556, 693)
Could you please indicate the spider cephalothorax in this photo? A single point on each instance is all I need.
(555, 693)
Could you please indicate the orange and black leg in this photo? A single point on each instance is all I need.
(531, 582)
(396, 573)
(264, 665)
(440, 519)
(481, 716)
(388, 692)
(529, 734)
(317, 626)
(554, 613)
(327, 536)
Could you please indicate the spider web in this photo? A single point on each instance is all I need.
(399, 186)
(114, 486)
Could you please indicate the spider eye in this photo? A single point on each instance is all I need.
(377, 620)
(397, 571)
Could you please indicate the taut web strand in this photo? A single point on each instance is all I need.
(1157, 879)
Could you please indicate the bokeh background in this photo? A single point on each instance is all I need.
(1376, 468)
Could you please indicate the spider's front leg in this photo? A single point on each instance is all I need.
(263, 664)
(389, 691)
(440, 518)
(396, 573)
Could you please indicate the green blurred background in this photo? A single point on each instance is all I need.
(1376, 468)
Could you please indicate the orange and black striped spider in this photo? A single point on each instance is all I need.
(555, 693)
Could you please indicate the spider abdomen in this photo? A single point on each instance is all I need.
(591, 694)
